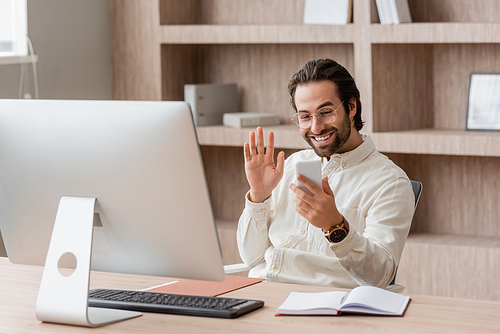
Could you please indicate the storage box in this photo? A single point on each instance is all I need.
(209, 102)
(241, 120)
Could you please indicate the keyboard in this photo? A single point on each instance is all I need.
(143, 301)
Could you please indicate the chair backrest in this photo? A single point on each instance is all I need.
(3, 252)
(417, 190)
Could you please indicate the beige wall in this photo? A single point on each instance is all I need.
(72, 40)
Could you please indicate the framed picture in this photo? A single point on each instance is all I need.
(483, 106)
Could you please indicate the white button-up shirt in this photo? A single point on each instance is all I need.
(372, 193)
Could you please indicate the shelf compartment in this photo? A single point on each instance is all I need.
(460, 193)
(225, 12)
(455, 10)
(461, 266)
(257, 34)
(420, 86)
(261, 71)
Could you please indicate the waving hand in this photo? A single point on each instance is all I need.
(262, 175)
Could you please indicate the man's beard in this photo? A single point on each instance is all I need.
(340, 138)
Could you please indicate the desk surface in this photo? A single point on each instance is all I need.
(19, 288)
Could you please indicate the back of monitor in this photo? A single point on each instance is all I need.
(139, 160)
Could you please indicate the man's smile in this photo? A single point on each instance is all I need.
(321, 139)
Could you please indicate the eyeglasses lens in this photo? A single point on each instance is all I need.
(304, 120)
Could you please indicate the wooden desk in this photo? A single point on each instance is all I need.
(19, 288)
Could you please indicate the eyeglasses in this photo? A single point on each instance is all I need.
(325, 115)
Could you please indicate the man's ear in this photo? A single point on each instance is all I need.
(352, 108)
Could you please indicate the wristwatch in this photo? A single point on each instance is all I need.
(337, 233)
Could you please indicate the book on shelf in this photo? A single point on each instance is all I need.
(401, 11)
(362, 300)
(390, 12)
(393, 11)
(383, 14)
(327, 11)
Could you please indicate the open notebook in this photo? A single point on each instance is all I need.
(363, 299)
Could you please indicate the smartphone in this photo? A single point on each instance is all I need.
(311, 170)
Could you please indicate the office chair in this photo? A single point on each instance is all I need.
(3, 252)
(417, 190)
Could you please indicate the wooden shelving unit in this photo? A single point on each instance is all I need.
(413, 80)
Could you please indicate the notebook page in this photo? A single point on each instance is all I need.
(312, 303)
(368, 299)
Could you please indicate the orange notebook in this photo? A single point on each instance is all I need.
(206, 288)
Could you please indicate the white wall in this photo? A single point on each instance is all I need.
(72, 40)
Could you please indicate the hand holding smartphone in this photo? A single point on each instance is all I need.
(311, 170)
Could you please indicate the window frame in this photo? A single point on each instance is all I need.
(19, 25)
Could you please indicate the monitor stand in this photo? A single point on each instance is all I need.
(64, 299)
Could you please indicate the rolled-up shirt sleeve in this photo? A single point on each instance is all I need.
(371, 256)
(252, 236)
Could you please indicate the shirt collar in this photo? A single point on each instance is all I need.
(353, 157)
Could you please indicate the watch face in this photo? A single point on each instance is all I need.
(338, 235)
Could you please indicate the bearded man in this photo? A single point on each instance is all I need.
(352, 230)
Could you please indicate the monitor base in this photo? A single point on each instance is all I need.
(64, 298)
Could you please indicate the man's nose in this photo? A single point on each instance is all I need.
(317, 126)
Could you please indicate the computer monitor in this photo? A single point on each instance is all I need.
(140, 160)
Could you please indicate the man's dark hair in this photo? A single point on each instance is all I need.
(327, 69)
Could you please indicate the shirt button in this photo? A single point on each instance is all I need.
(302, 231)
(263, 209)
(344, 165)
(335, 248)
(348, 268)
(285, 245)
(275, 267)
(263, 231)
